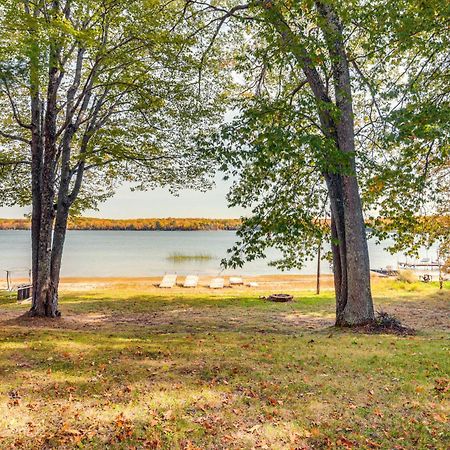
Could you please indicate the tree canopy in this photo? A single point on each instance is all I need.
(340, 111)
(94, 93)
(278, 149)
(125, 99)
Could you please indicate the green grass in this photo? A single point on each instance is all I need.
(178, 257)
(126, 370)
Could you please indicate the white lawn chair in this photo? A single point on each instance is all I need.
(216, 283)
(236, 281)
(190, 281)
(168, 281)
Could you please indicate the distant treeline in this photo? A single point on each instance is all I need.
(167, 224)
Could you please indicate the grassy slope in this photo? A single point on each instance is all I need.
(228, 370)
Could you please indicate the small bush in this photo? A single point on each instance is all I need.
(408, 276)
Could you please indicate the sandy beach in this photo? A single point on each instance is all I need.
(291, 283)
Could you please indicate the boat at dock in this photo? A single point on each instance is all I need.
(423, 264)
(425, 269)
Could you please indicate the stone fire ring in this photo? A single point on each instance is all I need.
(280, 298)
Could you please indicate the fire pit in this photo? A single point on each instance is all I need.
(280, 298)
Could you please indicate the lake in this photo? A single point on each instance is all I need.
(146, 253)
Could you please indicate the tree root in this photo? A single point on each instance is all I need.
(383, 323)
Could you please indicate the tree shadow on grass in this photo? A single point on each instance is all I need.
(166, 372)
(115, 389)
(165, 314)
(171, 314)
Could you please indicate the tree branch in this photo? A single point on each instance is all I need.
(13, 107)
(15, 138)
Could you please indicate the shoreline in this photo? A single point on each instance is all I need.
(282, 282)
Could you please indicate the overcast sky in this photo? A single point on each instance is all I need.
(159, 203)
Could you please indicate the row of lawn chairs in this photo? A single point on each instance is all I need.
(191, 281)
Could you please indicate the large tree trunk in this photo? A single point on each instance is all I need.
(338, 243)
(359, 307)
(349, 245)
(48, 238)
(351, 268)
(36, 156)
(44, 162)
(354, 304)
(59, 236)
(45, 302)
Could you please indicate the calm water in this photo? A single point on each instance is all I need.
(145, 253)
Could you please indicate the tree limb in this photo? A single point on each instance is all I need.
(13, 107)
(15, 138)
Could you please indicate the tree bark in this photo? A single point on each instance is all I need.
(354, 304)
(49, 240)
(59, 236)
(338, 243)
(44, 302)
(36, 157)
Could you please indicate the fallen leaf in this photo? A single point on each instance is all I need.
(168, 415)
(254, 428)
(439, 418)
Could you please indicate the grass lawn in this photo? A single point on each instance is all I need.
(124, 369)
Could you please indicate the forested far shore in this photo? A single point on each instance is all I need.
(164, 224)
(169, 224)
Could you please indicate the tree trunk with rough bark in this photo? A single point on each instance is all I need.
(48, 238)
(354, 305)
(44, 166)
(351, 268)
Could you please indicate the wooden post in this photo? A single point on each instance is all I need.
(318, 272)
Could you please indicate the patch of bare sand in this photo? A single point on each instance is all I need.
(192, 319)
(69, 321)
(150, 284)
(308, 321)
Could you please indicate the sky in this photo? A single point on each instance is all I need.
(158, 203)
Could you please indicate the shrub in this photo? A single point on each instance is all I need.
(408, 276)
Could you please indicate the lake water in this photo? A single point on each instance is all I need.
(145, 253)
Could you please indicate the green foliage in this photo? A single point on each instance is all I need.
(409, 180)
(126, 86)
(277, 150)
